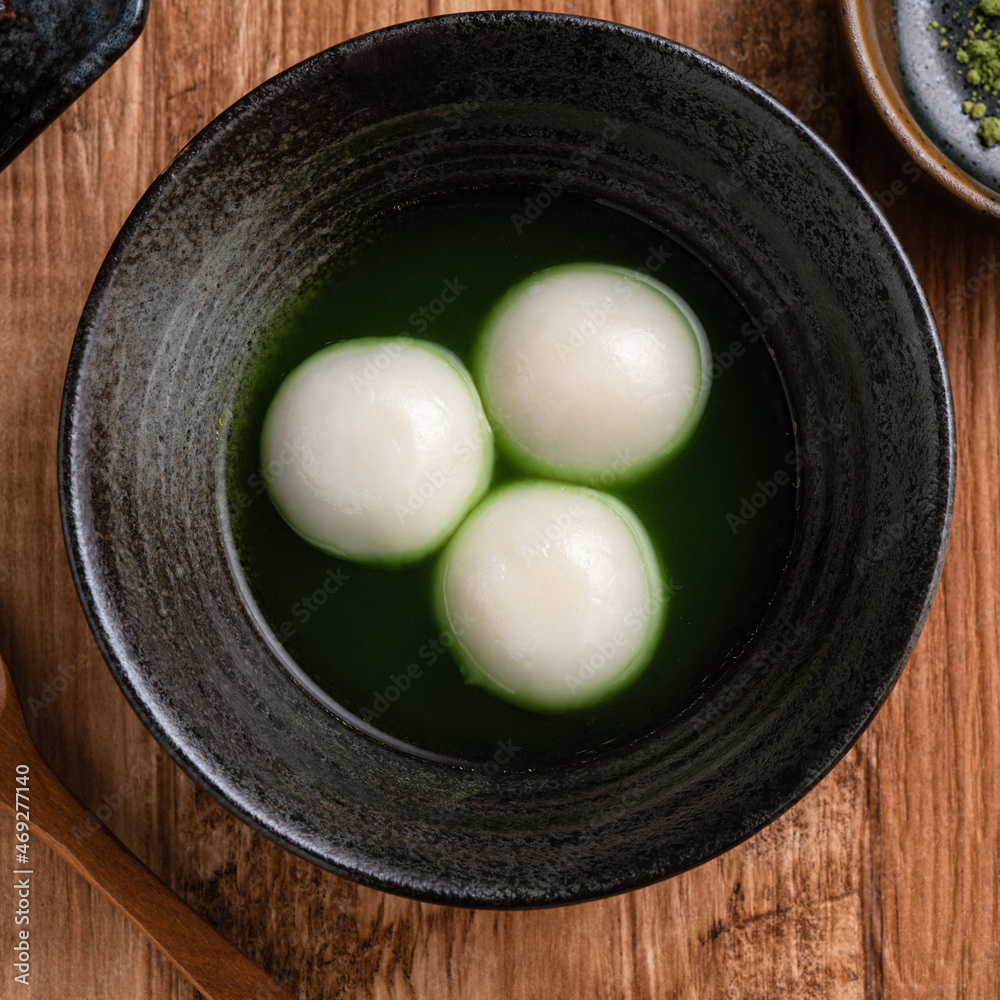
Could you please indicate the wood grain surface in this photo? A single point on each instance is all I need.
(884, 882)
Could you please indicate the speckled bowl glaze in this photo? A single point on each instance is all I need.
(259, 200)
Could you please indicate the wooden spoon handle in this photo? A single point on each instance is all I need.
(200, 953)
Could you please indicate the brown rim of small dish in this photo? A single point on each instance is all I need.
(867, 35)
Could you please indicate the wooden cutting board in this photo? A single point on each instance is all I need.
(884, 882)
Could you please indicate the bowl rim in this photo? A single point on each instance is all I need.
(873, 72)
(396, 882)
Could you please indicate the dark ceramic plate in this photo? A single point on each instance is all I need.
(933, 89)
(913, 86)
(253, 206)
(53, 52)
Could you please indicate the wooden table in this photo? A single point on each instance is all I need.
(884, 882)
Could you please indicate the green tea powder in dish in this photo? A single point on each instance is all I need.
(375, 449)
(977, 51)
(589, 369)
(554, 595)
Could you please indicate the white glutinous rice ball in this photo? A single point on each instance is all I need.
(553, 594)
(593, 373)
(375, 449)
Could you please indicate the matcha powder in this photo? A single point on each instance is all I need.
(978, 56)
(989, 131)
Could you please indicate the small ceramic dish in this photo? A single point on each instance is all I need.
(52, 53)
(246, 214)
(912, 84)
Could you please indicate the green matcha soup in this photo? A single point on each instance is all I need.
(719, 512)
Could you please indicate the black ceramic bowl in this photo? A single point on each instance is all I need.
(258, 200)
